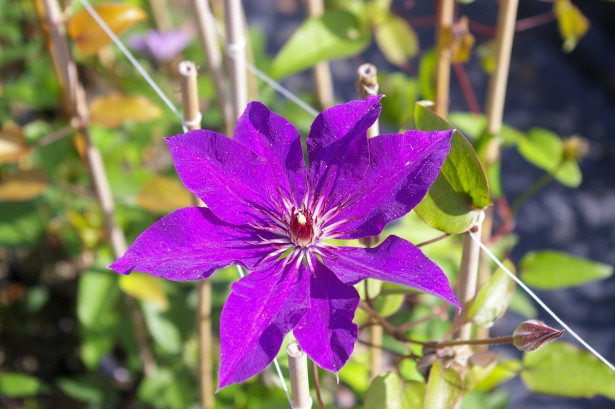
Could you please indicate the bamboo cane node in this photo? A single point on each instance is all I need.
(236, 48)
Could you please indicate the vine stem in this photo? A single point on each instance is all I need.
(322, 73)
(192, 120)
(75, 101)
(317, 385)
(485, 341)
(531, 191)
(390, 329)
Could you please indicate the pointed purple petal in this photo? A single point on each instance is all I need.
(402, 167)
(190, 244)
(230, 178)
(326, 332)
(261, 309)
(337, 147)
(395, 260)
(276, 140)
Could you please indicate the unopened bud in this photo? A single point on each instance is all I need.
(574, 148)
(531, 335)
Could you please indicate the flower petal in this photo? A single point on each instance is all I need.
(230, 178)
(402, 168)
(326, 332)
(337, 147)
(261, 309)
(276, 140)
(190, 244)
(395, 260)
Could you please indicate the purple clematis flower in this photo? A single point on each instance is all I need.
(162, 46)
(272, 215)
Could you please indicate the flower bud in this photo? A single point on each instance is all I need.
(574, 148)
(531, 335)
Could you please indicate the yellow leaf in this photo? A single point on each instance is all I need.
(145, 287)
(572, 23)
(113, 109)
(87, 33)
(22, 185)
(461, 48)
(12, 144)
(80, 144)
(163, 194)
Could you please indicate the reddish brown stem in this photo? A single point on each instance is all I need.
(466, 87)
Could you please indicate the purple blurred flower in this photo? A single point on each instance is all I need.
(270, 214)
(162, 46)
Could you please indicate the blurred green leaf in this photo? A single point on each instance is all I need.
(21, 224)
(162, 328)
(549, 270)
(573, 25)
(443, 388)
(427, 68)
(401, 92)
(81, 389)
(356, 375)
(544, 149)
(493, 298)
(396, 39)
(97, 294)
(336, 34)
(497, 399)
(387, 305)
(565, 370)
(474, 125)
(384, 393)
(503, 371)
(35, 299)
(460, 192)
(413, 395)
(19, 385)
(523, 305)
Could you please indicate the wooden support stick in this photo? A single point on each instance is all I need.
(192, 120)
(74, 96)
(322, 72)
(446, 10)
(236, 45)
(299, 380)
(468, 276)
(215, 64)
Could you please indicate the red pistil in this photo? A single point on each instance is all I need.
(302, 227)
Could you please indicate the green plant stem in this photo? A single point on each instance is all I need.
(531, 191)
(485, 341)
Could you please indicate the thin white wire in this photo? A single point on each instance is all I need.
(541, 303)
(132, 60)
(173, 109)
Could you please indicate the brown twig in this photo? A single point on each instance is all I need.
(317, 385)
(466, 87)
(390, 329)
(434, 240)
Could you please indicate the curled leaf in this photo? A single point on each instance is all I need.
(90, 37)
(113, 109)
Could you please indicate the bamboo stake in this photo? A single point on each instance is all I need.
(299, 380)
(161, 15)
(236, 45)
(215, 64)
(192, 120)
(367, 84)
(322, 72)
(468, 275)
(74, 96)
(496, 95)
(446, 10)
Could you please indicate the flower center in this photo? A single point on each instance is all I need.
(302, 228)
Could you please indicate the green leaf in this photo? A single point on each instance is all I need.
(523, 305)
(335, 34)
(81, 389)
(385, 393)
(21, 224)
(573, 25)
(396, 39)
(387, 305)
(401, 92)
(19, 385)
(443, 388)
(502, 372)
(97, 294)
(549, 270)
(413, 395)
(493, 298)
(427, 67)
(163, 329)
(544, 149)
(564, 370)
(474, 125)
(461, 191)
